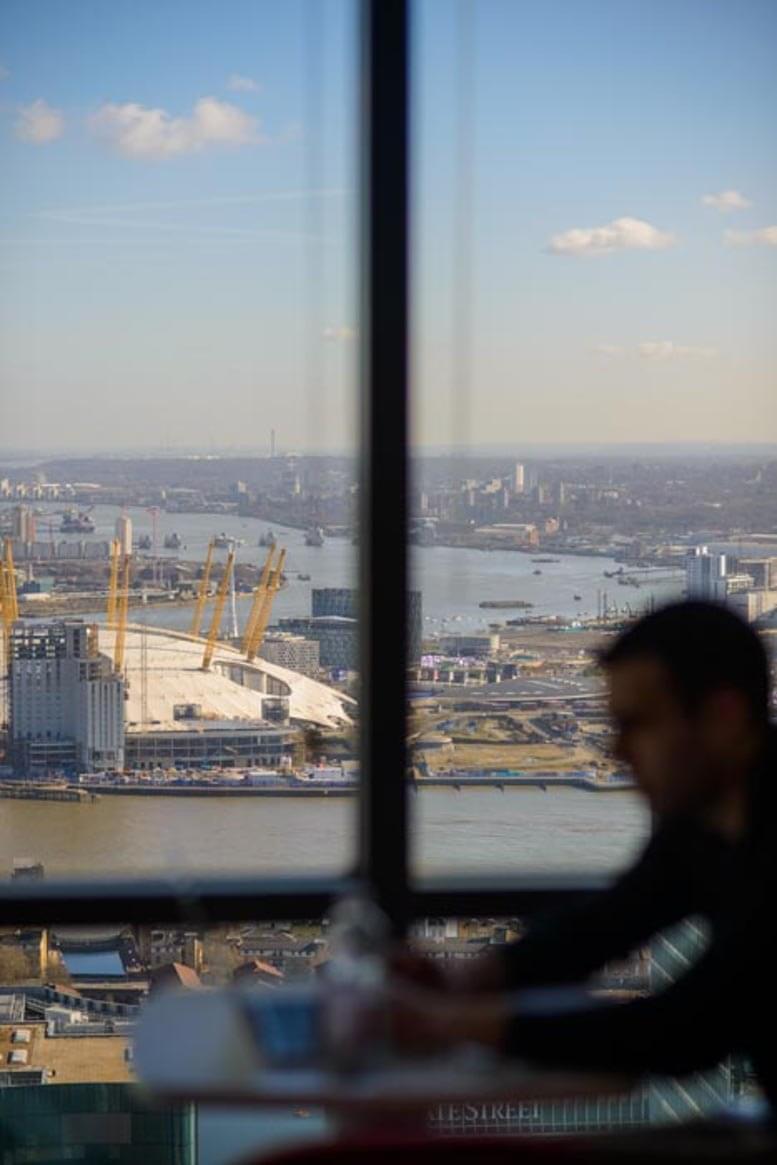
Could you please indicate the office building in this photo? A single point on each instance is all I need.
(66, 700)
(124, 534)
(23, 528)
(705, 575)
(342, 602)
(294, 652)
(470, 646)
(518, 479)
(337, 638)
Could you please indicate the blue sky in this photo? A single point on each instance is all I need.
(177, 222)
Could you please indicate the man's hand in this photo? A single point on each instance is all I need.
(424, 1021)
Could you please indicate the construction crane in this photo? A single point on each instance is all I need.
(218, 610)
(121, 617)
(113, 581)
(263, 618)
(260, 593)
(202, 597)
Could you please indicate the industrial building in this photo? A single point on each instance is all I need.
(66, 705)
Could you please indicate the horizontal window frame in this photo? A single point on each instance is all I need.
(210, 901)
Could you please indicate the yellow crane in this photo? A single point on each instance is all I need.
(260, 594)
(121, 617)
(202, 597)
(113, 581)
(218, 609)
(263, 618)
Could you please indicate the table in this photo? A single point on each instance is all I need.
(196, 1046)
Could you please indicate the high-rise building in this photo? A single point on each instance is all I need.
(518, 479)
(341, 602)
(124, 534)
(66, 701)
(292, 651)
(705, 575)
(23, 525)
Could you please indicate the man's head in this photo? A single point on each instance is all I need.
(689, 698)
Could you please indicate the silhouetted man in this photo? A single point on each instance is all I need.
(689, 698)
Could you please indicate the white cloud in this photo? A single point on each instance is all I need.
(764, 237)
(39, 123)
(657, 350)
(668, 350)
(340, 334)
(622, 234)
(137, 131)
(726, 200)
(239, 84)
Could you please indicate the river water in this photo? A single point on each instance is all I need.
(477, 831)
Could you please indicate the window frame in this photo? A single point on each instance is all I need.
(383, 856)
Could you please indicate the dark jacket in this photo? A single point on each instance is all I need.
(725, 1003)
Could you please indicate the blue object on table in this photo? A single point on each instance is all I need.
(286, 1025)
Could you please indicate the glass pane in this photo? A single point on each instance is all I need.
(593, 390)
(70, 1005)
(177, 437)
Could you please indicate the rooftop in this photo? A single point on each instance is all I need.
(83, 1059)
(175, 676)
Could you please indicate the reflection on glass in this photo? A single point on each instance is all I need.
(177, 439)
(594, 395)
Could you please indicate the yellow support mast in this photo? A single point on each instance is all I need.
(121, 617)
(202, 597)
(260, 594)
(11, 601)
(113, 581)
(218, 610)
(257, 637)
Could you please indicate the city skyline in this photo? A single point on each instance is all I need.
(178, 238)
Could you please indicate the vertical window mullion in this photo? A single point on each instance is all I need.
(383, 491)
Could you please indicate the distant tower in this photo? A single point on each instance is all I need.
(705, 575)
(124, 533)
(518, 479)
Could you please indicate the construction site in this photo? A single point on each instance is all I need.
(81, 697)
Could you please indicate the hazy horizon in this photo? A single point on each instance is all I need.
(595, 225)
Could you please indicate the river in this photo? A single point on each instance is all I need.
(478, 831)
(481, 831)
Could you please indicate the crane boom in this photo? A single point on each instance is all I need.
(260, 594)
(202, 597)
(218, 610)
(113, 581)
(263, 618)
(121, 617)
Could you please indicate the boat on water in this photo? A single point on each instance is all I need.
(499, 604)
(267, 539)
(76, 522)
(173, 542)
(537, 572)
(577, 598)
(314, 536)
(224, 541)
(546, 559)
(304, 577)
(144, 542)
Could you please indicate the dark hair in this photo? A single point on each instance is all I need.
(704, 646)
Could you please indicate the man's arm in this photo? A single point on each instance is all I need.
(714, 1009)
(569, 945)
